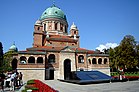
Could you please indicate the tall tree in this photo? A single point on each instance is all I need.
(1, 54)
(111, 58)
(128, 54)
(137, 54)
(7, 58)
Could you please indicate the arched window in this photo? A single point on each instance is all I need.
(94, 61)
(39, 60)
(38, 28)
(23, 60)
(99, 61)
(105, 61)
(14, 64)
(51, 58)
(31, 59)
(61, 26)
(65, 29)
(74, 32)
(44, 27)
(89, 61)
(55, 26)
(81, 59)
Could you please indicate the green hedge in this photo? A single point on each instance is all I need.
(30, 82)
(25, 90)
(126, 73)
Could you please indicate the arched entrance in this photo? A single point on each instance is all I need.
(14, 64)
(67, 69)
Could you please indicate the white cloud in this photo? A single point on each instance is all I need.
(106, 46)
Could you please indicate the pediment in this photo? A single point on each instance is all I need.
(67, 49)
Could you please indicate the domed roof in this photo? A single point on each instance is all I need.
(38, 22)
(53, 12)
(13, 48)
(73, 26)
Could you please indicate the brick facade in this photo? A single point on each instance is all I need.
(53, 48)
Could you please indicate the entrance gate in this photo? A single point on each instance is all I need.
(67, 69)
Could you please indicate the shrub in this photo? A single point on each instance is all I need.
(30, 82)
(38, 86)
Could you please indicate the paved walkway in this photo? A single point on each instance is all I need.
(8, 90)
(129, 86)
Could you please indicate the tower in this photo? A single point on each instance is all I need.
(74, 31)
(51, 30)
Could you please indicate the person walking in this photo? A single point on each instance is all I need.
(2, 78)
(13, 75)
(20, 79)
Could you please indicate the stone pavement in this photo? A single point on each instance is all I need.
(16, 90)
(129, 86)
(8, 90)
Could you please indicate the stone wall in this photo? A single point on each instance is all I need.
(103, 70)
(63, 57)
(32, 73)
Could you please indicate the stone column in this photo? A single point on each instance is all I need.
(36, 60)
(53, 25)
(27, 60)
(108, 61)
(97, 60)
(63, 28)
(58, 26)
(46, 25)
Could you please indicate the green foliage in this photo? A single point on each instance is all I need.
(25, 90)
(7, 58)
(30, 82)
(1, 54)
(27, 87)
(126, 74)
(137, 53)
(126, 55)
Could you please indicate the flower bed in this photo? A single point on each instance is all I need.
(132, 77)
(38, 86)
(127, 77)
(42, 87)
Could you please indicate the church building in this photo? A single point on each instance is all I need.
(56, 52)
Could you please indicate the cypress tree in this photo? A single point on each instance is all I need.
(1, 54)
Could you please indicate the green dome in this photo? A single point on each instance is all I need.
(53, 12)
(13, 48)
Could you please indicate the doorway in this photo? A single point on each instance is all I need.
(51, 73)
(67, 69)
(14, 64)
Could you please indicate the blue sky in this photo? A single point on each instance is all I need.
(99, 21)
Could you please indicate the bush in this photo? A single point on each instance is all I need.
(24, 90)
(38, 86)
(30, 82)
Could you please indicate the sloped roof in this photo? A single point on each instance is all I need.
(60, 38)
(51, 48)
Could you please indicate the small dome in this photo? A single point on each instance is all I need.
(13, 48)
(38, 22)
(73, 26)
(53, 12)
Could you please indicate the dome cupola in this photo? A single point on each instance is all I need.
(38, 22)
(74, 30)
(53, 12)
(73, 26)
(13, 48)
